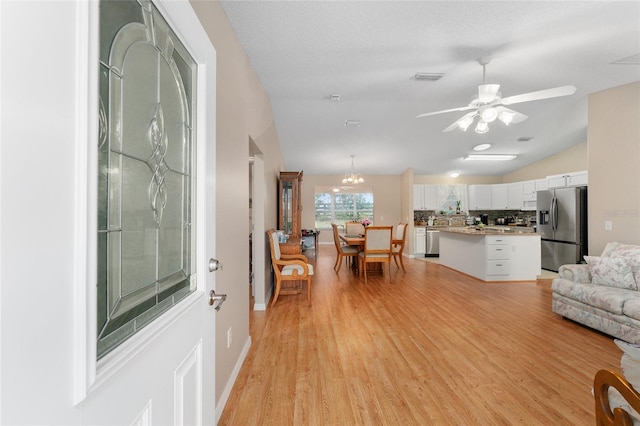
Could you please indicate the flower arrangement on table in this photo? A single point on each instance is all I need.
(365, 222)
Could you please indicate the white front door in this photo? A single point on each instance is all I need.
(164, 374)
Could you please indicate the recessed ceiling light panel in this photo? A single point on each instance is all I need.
(490, 157)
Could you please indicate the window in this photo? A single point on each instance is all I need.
(339, 208)
(145, 163)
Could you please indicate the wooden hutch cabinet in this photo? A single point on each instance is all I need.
(290, 203)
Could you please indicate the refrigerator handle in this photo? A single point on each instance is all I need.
(554, 214)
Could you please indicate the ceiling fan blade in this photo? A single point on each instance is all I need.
(540, 94)
(487, 92)
(456, 123)
(515, 117)
(464, 108)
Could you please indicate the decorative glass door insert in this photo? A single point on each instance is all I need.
(146, 170)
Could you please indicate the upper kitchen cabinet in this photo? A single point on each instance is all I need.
(500, 196)
(567, 180)
(514, 196)
(530, 189)
(425, 197)
(290, 203)
(480, 197)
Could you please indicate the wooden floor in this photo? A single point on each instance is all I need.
(434, 347)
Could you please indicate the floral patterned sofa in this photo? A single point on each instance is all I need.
(602, 294)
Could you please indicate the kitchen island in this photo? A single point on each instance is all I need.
(491, 254)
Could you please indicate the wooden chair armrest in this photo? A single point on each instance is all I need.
(605, 379)
(294, 256)
(298, 262)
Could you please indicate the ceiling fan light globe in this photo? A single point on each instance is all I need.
(506, 117)
(489, 114)
(482, 127)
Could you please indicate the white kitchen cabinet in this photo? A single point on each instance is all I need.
(480, 197)
(420, 241)
(529, 190)
(514, 196)
(425, 197)
(566, 180)
(430, 193)
(529, 193)
(541, 185)
(504, 257)
(500, 196)
(577, 179)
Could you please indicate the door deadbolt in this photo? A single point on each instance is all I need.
(214, 265)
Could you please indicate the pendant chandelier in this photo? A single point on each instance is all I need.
(352, 177)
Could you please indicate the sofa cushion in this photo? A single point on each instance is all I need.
(631, 308)
(613, 271)
(610, 299)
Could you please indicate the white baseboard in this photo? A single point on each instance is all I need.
(222, 402)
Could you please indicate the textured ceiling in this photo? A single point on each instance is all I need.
(368, 51)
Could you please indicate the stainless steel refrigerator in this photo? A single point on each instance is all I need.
(562, 225)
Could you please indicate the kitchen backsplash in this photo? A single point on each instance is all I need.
(459, 219)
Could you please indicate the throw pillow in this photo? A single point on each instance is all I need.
(632, 254)
(611, 271)
(609, 248)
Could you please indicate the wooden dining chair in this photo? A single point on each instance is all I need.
(377, 248)
(605, 414)
(353, 228)
(399, 240)
(344, 251)
(288, 267)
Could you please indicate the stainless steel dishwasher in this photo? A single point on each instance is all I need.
(433, 242)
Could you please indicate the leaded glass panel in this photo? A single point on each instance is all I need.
(145, 171)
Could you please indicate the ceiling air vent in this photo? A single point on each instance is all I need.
(426, 76)
(351, 123)
(524, 138)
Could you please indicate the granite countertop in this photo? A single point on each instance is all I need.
(491, 230)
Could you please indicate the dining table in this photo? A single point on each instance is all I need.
(358, 240)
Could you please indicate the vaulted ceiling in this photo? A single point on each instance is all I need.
(368, 52)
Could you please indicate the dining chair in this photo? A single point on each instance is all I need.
(344, 251)
(377, 248)
(624, 404)
(288, 267)
(353, 228)
(399, 240)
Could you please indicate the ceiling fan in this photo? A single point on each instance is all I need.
(490, 105)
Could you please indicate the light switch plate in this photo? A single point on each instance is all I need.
(608, 225)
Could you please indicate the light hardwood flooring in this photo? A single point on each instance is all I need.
(434, 347)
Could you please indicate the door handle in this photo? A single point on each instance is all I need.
(213, 298)
(214, 265)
